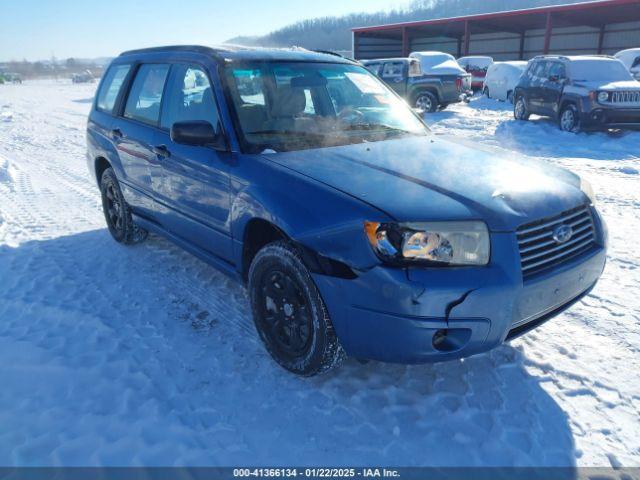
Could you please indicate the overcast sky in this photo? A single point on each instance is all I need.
(38, 29)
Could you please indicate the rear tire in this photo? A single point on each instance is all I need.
(117, 212)
(426, 101)
(569, 120)
(520, 111)
(289, 313)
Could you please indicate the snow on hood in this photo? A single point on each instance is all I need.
(438, 63)
(624, 85)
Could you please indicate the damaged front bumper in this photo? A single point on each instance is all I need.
(420, 315)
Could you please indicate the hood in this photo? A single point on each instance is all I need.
(625, 85)
(430, 179)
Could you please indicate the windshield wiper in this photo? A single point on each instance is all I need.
(288, 133)
(377, 126)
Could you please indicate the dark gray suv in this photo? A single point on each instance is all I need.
(581, 92)
(428, 81)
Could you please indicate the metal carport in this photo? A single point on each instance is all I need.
(600, 27)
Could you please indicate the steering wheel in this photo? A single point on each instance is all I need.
(350, 115)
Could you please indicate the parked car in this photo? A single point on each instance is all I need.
(11, 77)
(427, 82)
(502, 78)
(477, 66)
(354, 228)
(83, 77)
(581, 92)
(631, 59)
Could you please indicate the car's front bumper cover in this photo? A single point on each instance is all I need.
(607, 117)
(393, 314)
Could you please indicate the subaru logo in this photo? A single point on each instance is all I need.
(562, 233)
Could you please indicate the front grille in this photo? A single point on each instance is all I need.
(629, 97)
(540, 251)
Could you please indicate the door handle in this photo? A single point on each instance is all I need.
(116, 133)
(161, 151)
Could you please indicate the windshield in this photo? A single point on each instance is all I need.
(601, 70)
(283, 106)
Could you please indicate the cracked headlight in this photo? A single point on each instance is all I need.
(437, 243)
(587, 189)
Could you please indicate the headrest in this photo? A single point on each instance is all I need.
(207, 97)
(288, 102)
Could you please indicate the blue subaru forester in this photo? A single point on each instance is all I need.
(356, 230)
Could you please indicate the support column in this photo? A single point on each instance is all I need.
(406, 42)
(459, 47)
(547, 33)
(354, 40)
(601, 40)
(521, 52)
(467, 35)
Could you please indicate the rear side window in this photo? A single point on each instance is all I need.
(538, 70)
(113, 80)
(145, 96)
(393, 70)
(374, 68)
(189, 97)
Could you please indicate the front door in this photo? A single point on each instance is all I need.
(553, 86)
(195, 183)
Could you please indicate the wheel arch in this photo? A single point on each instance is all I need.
(260, 232)
(424, 89)
(568, 100)
(100, 164)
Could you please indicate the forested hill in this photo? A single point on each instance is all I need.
(334, 33)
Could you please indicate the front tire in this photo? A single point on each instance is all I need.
(520, 111)
(510, 97)
(569, 119)
(427, 102)
(289, 313)
(117, 212)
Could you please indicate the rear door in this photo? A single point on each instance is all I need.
(101, 117)
(134, 134)
(395, 75)
(537, 80)
(195, 185)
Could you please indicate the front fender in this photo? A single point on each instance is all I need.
(316, 216)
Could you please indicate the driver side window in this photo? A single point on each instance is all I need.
(189, 97)
(557, 70)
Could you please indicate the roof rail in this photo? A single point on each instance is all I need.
(329, 52)
(174, 48)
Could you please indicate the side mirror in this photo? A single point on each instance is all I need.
(198, 133)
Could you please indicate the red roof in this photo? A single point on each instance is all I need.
(594, 13)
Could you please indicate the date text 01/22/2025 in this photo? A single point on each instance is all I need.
(316, 472)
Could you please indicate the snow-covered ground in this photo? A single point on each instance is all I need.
(146, 356)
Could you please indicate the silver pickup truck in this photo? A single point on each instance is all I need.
(427, 80)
